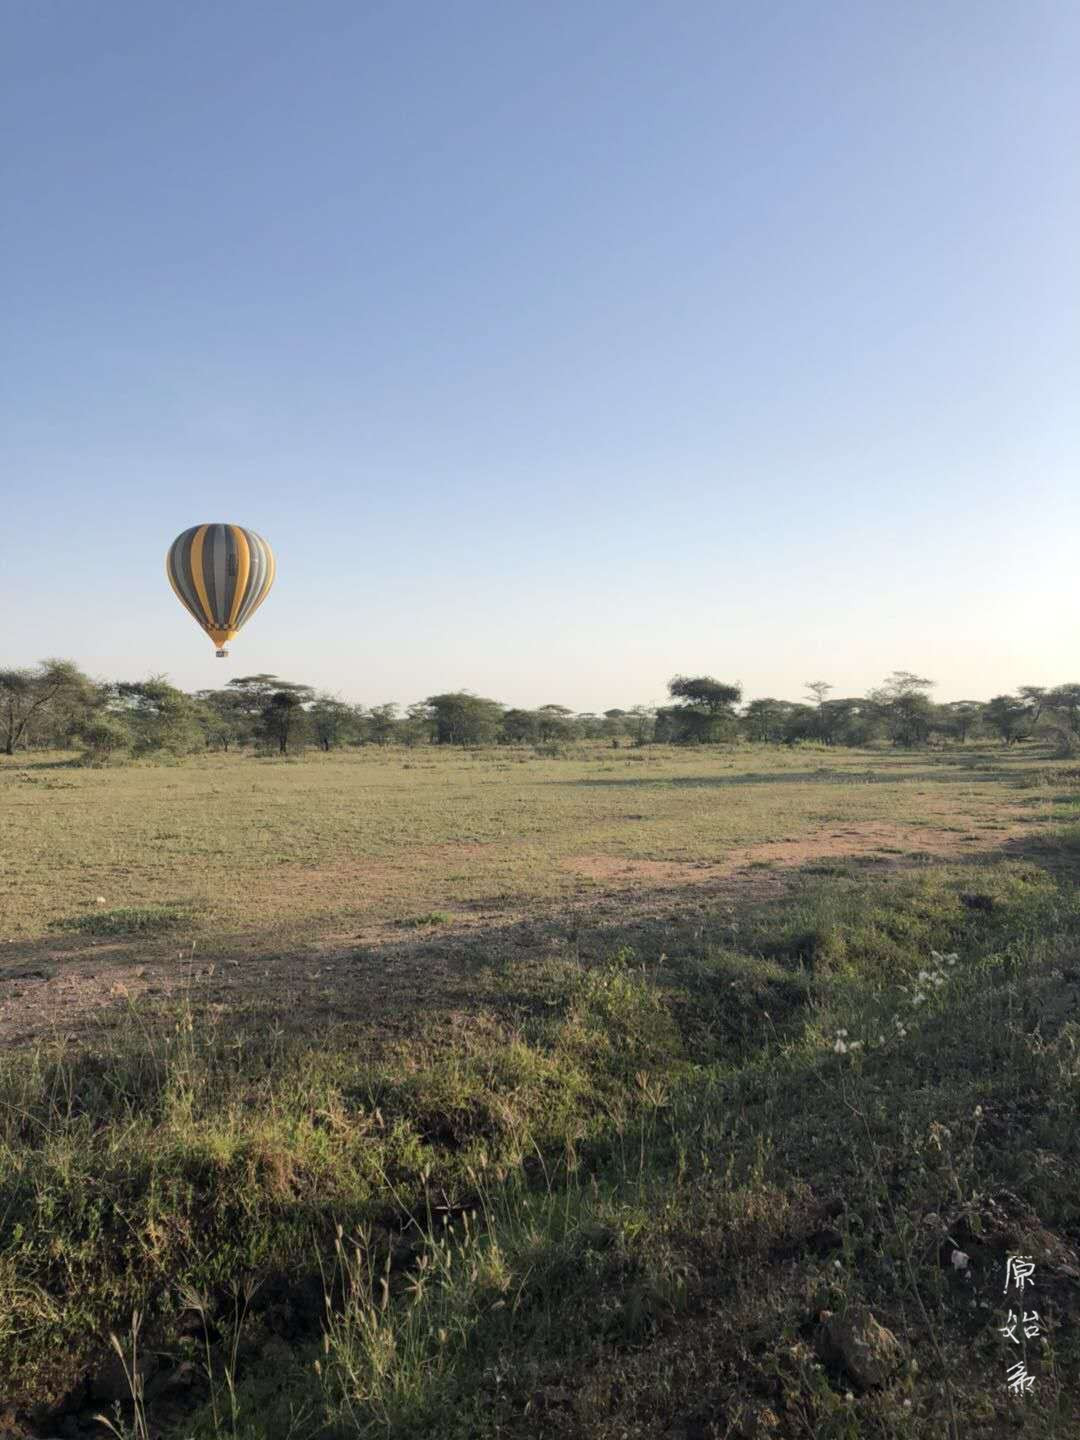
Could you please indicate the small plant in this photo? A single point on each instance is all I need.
(139, 1429)
(432, 917)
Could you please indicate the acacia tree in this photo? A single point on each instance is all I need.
(904, 706)
(819, 693)
(1008, 716)
(960, 718)
(272, 708)
(283, 717)
(641, 723)
(31, 698)
(705, 711)
(1064, 701)
(1035, 699)
(614, 724)
(416, 728)
(553, 722)
(382, 722)
(223, 718)
(764, 719)
(518, 726)
(332, 720)
(251, 694)
(800, 723)
(461, 718)
(1059, 709)
(159, 716)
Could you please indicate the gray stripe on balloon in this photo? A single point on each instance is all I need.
(217, 570)
(231, 577)
(180, 564)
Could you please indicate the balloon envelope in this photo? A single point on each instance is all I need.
(221, 575)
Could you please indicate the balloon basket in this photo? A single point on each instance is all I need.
(221, 654)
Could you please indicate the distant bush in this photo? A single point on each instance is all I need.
(549, 749)
(104, 741)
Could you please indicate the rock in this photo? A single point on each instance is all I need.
(691, 1430)
(867, 1351)
(111, 1381)
(190, 1323)
(551, 1397)
(169, 1383)
(11, 1427)
(757, 1423)
(978, 902)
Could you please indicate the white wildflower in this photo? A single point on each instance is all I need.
(855, 1045)
(101, 899)
(840, 1047)
(960, 1260)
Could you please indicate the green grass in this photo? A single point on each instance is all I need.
(433, 917)
(346, 838)
(628, 1167)
(599, 1187)
(127, 920)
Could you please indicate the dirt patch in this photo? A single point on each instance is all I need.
(889, 841)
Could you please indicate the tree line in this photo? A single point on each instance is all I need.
(55, 705)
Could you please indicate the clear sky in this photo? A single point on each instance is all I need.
(555, 347)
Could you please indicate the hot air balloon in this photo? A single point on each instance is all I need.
(221, 575)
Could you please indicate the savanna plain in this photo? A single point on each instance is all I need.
(660, 1091)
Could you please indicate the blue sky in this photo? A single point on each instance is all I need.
(555, 348)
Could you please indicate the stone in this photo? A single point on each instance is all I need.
(171, 1382)
(757, 1423)
(869, 1352)
(111, 1381)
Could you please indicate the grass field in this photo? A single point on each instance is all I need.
(417, 1093)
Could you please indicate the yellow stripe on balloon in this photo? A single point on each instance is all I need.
(197, 574)
(273, 572)
(243, 570)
